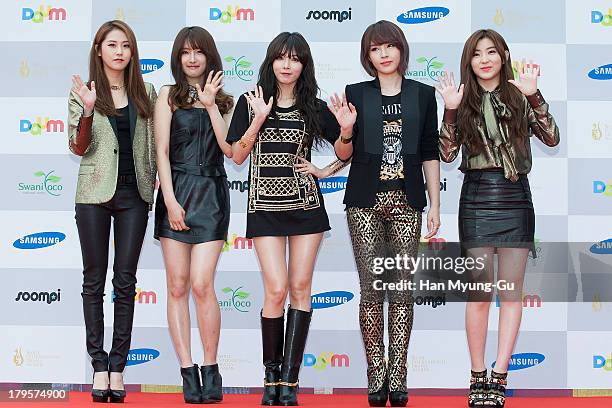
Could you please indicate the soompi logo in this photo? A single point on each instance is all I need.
(602, 362)
(598, 17)
(600, 187)
(49, 184)
(39, 126)
(326, 359)
(422, 15)
(227, 16)
(39, 16)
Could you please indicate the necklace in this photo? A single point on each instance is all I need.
(193, 94)
(117, 87)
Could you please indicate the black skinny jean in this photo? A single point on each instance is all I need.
(130, 213)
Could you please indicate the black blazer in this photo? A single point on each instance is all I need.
(419, 141)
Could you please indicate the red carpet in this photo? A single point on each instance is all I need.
(150, 400)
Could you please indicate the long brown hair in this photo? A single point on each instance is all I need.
(469, 115)
(132, 77)
(384, 32)
(197, 38)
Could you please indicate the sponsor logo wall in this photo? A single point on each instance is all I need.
(563, 345)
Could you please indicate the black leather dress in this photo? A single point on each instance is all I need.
(198, 178)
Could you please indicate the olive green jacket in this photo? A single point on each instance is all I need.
(100, 162)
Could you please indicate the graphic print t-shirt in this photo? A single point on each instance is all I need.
(392, 165)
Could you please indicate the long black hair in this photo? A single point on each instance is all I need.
(306, 88)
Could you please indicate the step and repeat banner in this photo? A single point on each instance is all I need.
(563, 345)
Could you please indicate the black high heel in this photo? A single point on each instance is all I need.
(212, 384)
(116, 396)
(99, 395)
(379, 398)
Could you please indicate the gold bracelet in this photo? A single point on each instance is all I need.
(242, 144)
(346, 140)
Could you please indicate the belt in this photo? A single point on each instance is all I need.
(126, 179)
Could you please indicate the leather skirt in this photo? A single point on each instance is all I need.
(496, 212)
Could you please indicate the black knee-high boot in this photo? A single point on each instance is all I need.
(298, 323)
(272, 339)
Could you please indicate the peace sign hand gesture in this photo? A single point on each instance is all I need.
(212, 86)
(261, 109)
(448, 91)
(528, 78)
(344, 111)
(87, 96)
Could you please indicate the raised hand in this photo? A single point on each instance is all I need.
(87, 96)
(261, 109)
(448, 90)
(344, 111)
(211, 87)
(528, 78)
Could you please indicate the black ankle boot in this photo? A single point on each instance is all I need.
(298, 323)
(478, 389)
(272, 339)
(212, 384)
(192, 388)
(496, 392)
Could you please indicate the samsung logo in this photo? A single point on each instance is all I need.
(332, 184)
(141, 356)
(330, 299)
(602, 248)
(150, 65)
(524, 360)
(601, 73)
(39, 240)
(422, 15)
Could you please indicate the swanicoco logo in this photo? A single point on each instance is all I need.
(335, 15)
(142, 296)
(326, 300)
(49, 185)
(598, 17)
(39, 16)
(602, 362)
(241, 68)
(239, 300)
(422, 15)
(523, 360)
(229, 15)
(431, 70)
(149, 65)
(332, 184)
(602, 247)
(237, 242)
(46, 297)
(326, 359)
(600, 187)
(39, 126)
(602, 73)
(141, 356)
(39, 240)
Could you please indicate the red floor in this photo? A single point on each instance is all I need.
(82, 399)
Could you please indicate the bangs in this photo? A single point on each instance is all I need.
(293, 46)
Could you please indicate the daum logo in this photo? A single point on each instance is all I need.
(40, 15)
(523, 360)
(141, 356)
(602, 362)
(44, 297)
(601, 17)
(326, 300)
(239, 300)
(149, 65)
(230, 15)
(602, 247)
(422, 15)
(241, 68)
(332, 184)
(529, 300)
(601, 188)
(142, 296)
(39, 240)
(325, 360)
(517, 65)
(335, 15)
(49, 184)
(431, 69)
(602, 73)
(237, 242)
(38, 126)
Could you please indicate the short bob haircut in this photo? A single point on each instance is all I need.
(384, 32)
